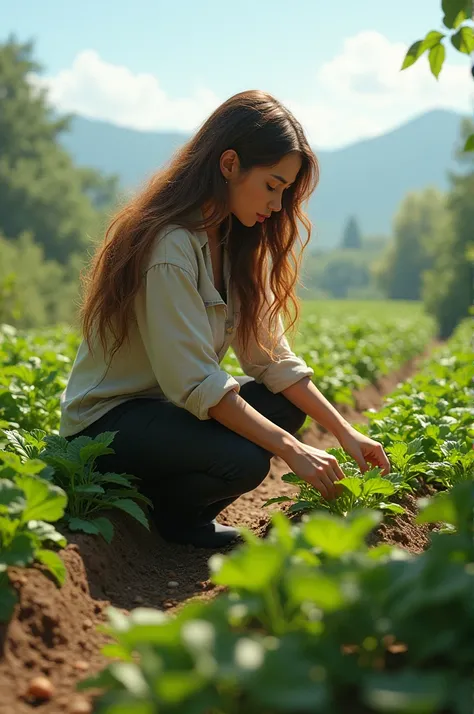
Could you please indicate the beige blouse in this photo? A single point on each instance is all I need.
(182, 332)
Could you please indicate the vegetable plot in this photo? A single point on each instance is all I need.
(316, 621)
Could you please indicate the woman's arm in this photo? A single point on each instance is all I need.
(305, 395)
(317, 467)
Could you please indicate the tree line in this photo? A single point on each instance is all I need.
(52, 212)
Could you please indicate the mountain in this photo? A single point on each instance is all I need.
(367, 179)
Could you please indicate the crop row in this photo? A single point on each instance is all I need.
(313, 619)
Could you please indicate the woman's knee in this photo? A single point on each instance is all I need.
(275, 407)
(251, 465)
(295, 417)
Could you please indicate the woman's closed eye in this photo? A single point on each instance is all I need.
(270, 188)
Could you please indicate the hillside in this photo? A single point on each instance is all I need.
(367, 179)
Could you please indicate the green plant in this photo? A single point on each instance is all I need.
(28, 505)
(357, 490)
(313, 619)
(71, 465)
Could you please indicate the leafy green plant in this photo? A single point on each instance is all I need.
(71, 465)
(356, 491)
(32, 376)
(28, 505)
(348, 353)
(312, 619)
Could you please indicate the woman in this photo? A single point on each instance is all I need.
(203, 259)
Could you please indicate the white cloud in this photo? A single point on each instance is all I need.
(100, 90)
(362, 91)
(359, 93)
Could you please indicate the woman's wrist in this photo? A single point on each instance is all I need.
(288, 445)
(340, 428)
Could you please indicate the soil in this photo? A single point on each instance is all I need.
(53, 630)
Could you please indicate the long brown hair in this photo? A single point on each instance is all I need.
(261, 131)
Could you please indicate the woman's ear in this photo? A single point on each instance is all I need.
(229, 164)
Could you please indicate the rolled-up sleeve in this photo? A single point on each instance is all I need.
(178, 339)
(277, 374)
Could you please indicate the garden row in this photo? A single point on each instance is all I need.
(313, 620)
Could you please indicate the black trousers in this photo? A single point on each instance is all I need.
(190, 469)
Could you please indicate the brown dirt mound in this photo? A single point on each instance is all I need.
(52, 632)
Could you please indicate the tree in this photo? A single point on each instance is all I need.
(35, 292)
(448, 284)
(420, 218)
(41, 191)
(352, 238)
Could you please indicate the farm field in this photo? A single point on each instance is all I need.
(351, 605)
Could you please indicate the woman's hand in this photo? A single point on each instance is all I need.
(363, 450)
(317, 467)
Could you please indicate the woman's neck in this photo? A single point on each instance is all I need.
(214, 233)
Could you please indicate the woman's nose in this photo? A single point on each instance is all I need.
(275, 205)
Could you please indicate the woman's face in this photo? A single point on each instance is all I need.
(259, 192)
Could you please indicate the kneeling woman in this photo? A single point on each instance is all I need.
(201, 260)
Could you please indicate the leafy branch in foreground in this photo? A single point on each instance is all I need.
(456, 14)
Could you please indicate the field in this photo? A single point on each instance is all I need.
(347, 606)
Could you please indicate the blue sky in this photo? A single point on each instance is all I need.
(158, 66)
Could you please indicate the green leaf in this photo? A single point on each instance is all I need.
(53, 562)
(397, 450)
(309, 585)
(121, 479)
(89, 489)
(176, 687)
(130, 507)
(378, 485)
(463, 40)
(336, 536)
(291, 478)
(44, 501)
(105, 528)
(415, 446)
(278, 499)
(99, 446)
(252, 569)
(301, 506)
(413, 54)
(281, 528)
(440, 508)
(469, 145)
(130, 675)
(81, 524)
(12, 498)
(21, 550)
(391, 507)
(45, 531)
(455, 12)
(353, 484)
(432, 39)
(408, 691)
(436, 59)
(8, 598)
